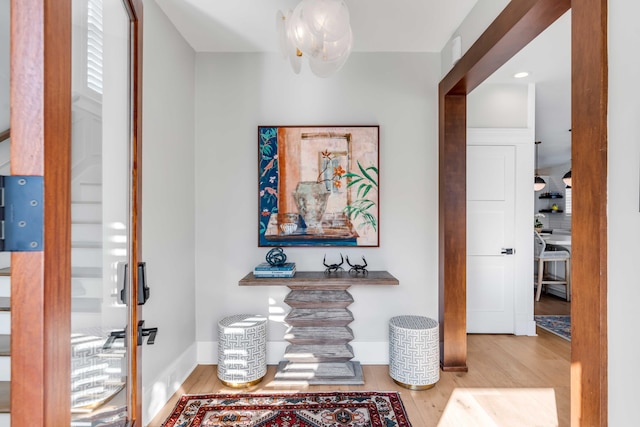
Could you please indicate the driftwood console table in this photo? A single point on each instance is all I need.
(319, 351)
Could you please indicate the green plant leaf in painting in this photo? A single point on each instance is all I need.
(366, 175)
(365, 182)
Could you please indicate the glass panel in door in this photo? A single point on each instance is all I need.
(101, 203)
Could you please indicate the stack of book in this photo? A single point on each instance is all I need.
(288, 269)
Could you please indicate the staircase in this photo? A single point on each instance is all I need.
(86, 282)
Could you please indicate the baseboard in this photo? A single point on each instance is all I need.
(367, 353)
(156, 393)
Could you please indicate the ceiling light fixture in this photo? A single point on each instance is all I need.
(567, 178)
(318, 30)
(538, 183)
(520, 75)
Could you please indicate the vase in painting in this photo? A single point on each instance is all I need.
(311, 199)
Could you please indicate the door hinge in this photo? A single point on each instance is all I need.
(21, 213)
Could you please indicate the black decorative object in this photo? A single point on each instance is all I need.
(276, 256)
(332, 268)
(358, 268)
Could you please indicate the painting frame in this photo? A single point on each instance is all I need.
(318, 186)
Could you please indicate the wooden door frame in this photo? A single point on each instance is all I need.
(514, 28)
(135, 7)
(41, 145)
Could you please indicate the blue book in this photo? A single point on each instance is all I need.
(265, 266)
(266, 274)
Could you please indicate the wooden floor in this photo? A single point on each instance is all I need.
(512, 381)
(550, 304)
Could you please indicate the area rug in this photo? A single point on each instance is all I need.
(335, 409)
(559, 325)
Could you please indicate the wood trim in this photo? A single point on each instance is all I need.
(516, 26)
(41, 281)
(135, 364)
(589, 92)
(136, 10)
(519, 23)
(453, 233)
(5, 134)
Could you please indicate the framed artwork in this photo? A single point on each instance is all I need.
(318, 186)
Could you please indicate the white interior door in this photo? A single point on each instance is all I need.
(490, 232)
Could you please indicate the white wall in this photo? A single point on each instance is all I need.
(168, 231)
(235, 93)
(493, 105)
(623, 212)
(480, 17)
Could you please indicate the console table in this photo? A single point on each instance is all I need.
(319, 351)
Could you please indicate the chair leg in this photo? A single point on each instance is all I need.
(567, 275)
(540, 276)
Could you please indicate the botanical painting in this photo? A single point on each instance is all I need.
(318, 186)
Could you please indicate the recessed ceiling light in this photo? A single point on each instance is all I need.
(521, 75)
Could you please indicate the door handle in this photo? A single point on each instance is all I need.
(122, 274)
(508, 251)
(143, 289)
(146, 332)
(114, 335)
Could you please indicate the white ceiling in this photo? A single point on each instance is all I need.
(396, 26)
(378, 25)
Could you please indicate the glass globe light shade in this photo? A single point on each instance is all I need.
(286, 46)
(297, 29)
(538, 183)
(567, 179)
(316, 33)
(323, 68)
(328, 19)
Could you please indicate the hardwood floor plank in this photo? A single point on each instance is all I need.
(521, 381)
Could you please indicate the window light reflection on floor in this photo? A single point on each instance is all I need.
(484, 407)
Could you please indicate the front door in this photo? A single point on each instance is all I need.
(103, 340)
(490, 239)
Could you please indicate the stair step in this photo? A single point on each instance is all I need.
(5, 402)
(313, 317)
(86, 305)
(5, 369)
(318, 299)
(86, 212)
(90, 192)
(5, 304)
(5, 286)
(86, 232)
(86, 272)
(319, 335)
(318, 353)
(86, 256)
(5, 322)
(5, 345)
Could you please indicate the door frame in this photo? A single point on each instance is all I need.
(41, 145)
(514, 28)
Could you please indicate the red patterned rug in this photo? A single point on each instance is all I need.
(336, 409)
